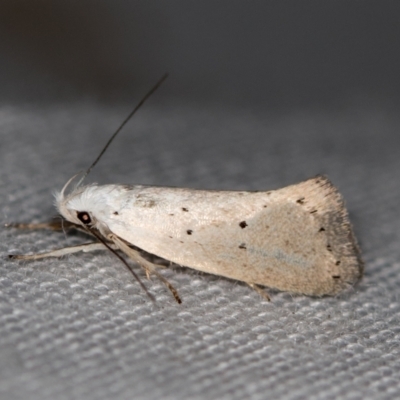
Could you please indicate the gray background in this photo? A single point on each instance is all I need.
(261, 95)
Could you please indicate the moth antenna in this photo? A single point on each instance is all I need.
(147, 95)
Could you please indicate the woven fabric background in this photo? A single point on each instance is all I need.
(261, 95)
(80, 327)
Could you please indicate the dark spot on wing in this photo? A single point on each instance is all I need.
(322, 229)
(336, 276)
(185, 209)
(116, 213)
(300, 200)
(243, 224)
(337, 262)
(171, 215)
(329, 247)
(242, 246)
(189, 231)
(265, 206)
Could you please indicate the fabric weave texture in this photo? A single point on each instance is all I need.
(80, 327)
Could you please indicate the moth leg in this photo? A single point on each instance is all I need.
(157, 261)
(60, 252)
(148, 266)
(259, 290)
(57, 224)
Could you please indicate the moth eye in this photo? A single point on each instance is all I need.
(84, 217)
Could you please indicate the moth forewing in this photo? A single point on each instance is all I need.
(296, 239)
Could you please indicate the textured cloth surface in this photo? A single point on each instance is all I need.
(80, 327)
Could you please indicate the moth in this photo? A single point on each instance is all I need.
(297, 239)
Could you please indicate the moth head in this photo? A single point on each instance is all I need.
(70, 205)
(75, 208)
